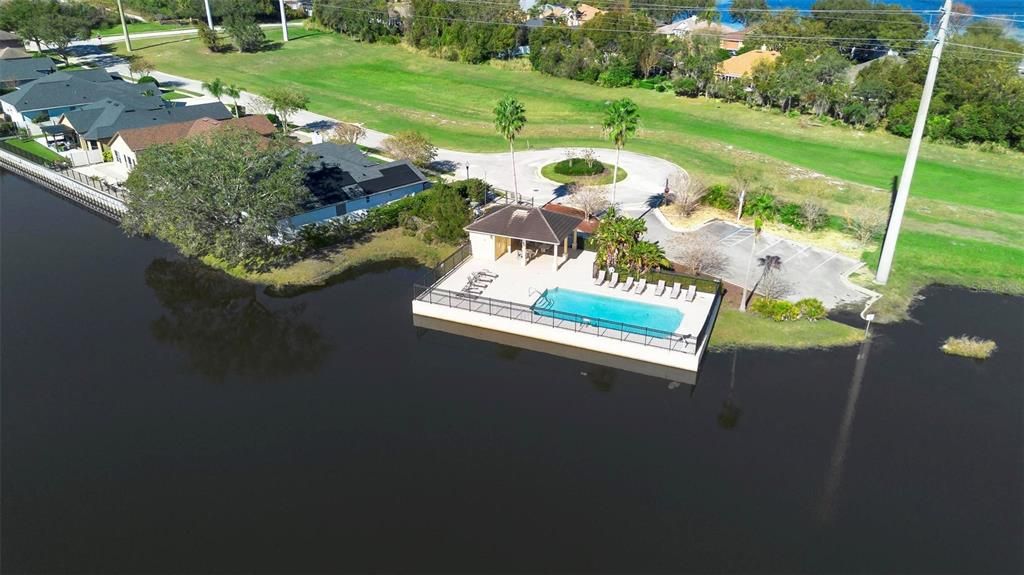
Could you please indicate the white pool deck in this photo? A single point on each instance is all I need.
(520, 284)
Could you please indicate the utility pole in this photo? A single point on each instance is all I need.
(284, 21)
(124, 28)
(903, 190)
(209, 17)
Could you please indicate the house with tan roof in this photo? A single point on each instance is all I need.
(743, 64)
(732, 41)
(694, 25)
(127, 144)
(573, 17)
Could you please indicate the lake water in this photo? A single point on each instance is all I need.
(159, 418)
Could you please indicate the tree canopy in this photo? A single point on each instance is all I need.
(220, 194)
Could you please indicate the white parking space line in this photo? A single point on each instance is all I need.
(822, 263)
(722, 239)
(769, 246)
(796, 254)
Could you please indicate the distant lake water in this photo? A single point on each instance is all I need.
(159, 417)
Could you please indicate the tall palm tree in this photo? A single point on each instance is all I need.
(509, 120)
(234, 92)
(215, 88)
(621, 120)
(746, 276)
(645, 256)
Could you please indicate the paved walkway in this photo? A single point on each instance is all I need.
(813, 272)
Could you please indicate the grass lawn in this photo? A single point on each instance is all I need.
(174, 95)
(138, 28)
(318, 270)
(737, 329)
(602, 179)
(964, 218)
(36, 149)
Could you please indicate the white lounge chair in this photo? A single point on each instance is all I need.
(600, 278)
(628, 285)
(691, 292)
(614, 281)
(660, 289)
(641, 286)
(675, 290)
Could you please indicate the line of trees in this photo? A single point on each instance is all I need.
(977, 99)
(50, 22)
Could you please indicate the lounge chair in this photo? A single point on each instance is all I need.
(675, 290)
(628, 285)
(481, 279)
(600, 278)
(660, 289)
(691, 292)
(614, 281)
(641, 286)
(487, 273)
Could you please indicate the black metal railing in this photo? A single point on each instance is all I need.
(685, 343)
(434, 274)
(64, 168)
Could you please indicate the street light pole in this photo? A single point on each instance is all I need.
(284, 21)
(209, 17)
(124, 28)
(903, 190)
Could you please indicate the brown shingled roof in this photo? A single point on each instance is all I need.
(527, 223)
(141, 138)
(586, 226)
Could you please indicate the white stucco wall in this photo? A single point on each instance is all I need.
(122, 153)
(483, 246)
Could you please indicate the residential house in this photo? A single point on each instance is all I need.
(15, 72)
(570, 16)
(128, 143)
(854, 71)
(94, 126)
(10, 40)
(44, 100)
(733, 41)
(695, 25)
(743, 64)
(13, 53)
(345, 182)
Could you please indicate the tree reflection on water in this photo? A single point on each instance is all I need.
(224, 328)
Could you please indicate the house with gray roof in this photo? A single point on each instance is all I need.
(17, 71)
(96, 124)
(53, 95)
(10, 40)
(345, 181)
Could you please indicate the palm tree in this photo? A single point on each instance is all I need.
(215, 88)
(234, 92)
(645, 256)
(768, 265)
(621, 120)
(746, 276)
(509, 120)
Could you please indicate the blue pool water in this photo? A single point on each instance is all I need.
(609, 311)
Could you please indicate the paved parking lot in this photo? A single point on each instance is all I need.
(809, 271)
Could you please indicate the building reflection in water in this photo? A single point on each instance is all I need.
(601, 375)
(225, 329)
(835, 469)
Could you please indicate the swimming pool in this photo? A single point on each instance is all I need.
(608, 311)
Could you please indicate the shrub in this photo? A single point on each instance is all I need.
(792, 215)
(149, 80)
(108, 156)
(686, 87)
(43, 117)
(776, 310)
(761, 205)
(578, 167)
(8, 128)
(811, 309)
(721, 197)
(617, 76)
(814, 215)
(966, 346)
(274, 119)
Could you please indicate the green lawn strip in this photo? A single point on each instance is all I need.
(138, 28)
(36, 149)
(924, 258)
(602, 179)
(319, 269)
(174, 96)
(737, 329)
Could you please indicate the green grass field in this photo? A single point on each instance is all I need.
(602, 179)
(137, 28)
(964, 219)
(35, 148)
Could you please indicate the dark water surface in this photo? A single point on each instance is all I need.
(158, 418)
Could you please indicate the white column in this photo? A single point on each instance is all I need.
(554, 260)
(523, 251)
(284, 21)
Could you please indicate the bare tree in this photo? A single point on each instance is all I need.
(774, 286)
(591, 199)
(139, 65)
(814, 215)
(412, 146)
(348, 133)
(649, 59)
(588, 156)
(687, 192)
(867, 226)
(743, 180)
(701, 253)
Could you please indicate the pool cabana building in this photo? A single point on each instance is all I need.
(526, 231)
